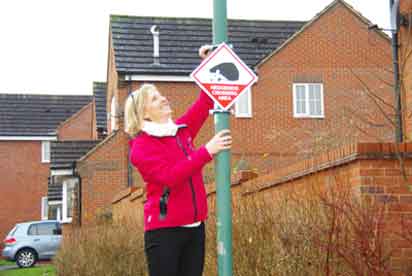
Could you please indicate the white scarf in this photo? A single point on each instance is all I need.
(160, 130)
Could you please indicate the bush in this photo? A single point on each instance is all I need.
(308, 232)
(294, 232)
(107, 249)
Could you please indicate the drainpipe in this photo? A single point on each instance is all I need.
(155, 32)
(129, 166)
(79, 195)
(394, 8)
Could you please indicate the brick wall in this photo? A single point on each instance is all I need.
(21, 185)
(94, 121)
(80, 126)
(103, 173)
(370, 170)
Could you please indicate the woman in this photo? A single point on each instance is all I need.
(163, 151)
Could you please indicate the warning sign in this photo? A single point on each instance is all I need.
(223, 76)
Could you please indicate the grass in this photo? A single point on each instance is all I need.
(44, 270)
(5, 262)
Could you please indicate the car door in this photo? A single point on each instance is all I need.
(42, 234)
(56, 239)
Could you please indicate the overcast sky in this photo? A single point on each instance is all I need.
(60, 46)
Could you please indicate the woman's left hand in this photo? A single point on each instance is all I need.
(204, 51)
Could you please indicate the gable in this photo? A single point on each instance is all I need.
(337, 20)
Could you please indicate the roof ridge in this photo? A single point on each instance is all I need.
(202, 18)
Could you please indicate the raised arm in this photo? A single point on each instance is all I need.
(197, 114)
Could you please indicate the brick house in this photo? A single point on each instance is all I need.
(77, 135)
(358, 162)
(28, 124)
(321, 85)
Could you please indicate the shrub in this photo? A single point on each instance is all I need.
(294, 232)
(107, 249)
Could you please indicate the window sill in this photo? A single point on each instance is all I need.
(66, 221)
(308, 117)
(244, 116)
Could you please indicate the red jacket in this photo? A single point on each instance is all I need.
(173, 162)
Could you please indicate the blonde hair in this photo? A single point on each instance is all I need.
(134, 109)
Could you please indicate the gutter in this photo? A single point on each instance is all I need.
(28, 138)
(129, 167)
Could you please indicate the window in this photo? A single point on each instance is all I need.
(243, 105)
(308, 100)
(45, 152)
(44, 208)
(43, 229)
(68, 195)
(54, 211)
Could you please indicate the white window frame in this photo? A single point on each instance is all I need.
(44, 208)
(59, 212)
(248, 113)
(65, 217)
(45, 151)
(307, 114)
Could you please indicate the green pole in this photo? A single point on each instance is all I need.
(222, 162)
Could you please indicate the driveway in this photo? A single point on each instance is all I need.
(7, 267)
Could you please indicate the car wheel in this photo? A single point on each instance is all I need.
(26, 258)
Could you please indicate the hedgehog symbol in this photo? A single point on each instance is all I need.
(226, 71)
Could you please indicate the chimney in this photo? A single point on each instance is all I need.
(155, 32)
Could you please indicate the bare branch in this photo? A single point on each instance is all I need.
(373, 99)
(387, 83)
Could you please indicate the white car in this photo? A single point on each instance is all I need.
(31, 241)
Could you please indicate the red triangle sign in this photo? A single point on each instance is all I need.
(223, 76)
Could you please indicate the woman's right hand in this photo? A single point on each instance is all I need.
(221, 141)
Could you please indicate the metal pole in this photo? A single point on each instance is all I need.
(397, 90)
(222, 162)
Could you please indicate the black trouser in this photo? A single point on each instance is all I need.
(177, 251)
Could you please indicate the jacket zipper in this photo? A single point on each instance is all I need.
(190, 179)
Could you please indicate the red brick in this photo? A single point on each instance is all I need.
(80, 126)
(23, 183)
(372, 172)
(406, 199)
(372, 189)
(393, 172)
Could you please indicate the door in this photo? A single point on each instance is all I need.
(44, 238)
